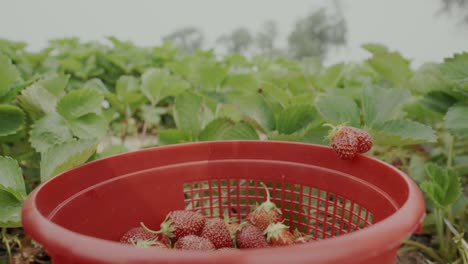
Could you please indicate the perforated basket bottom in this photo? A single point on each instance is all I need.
(312, 211)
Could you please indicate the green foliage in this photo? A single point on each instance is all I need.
(455, 69)
(403, 132)
(12, 118)
(61, 157)
(443, 185)
(12, 192)
(456, 120)
(61, 105)
(8, 74)
(338, 109)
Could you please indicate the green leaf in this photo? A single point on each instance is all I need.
(277, 94)
(188, 113)
(37, 101)
(456, 120)
(375, 48)
(390, 65)
(129, 96)
(111, 150)
(416, 169)
(10, 210)
(338, 109)
(12, 119)
(216, 129)
(456, 69)
(97, 85)
(403, 132)
(8, 74)
(331, 76)
(224, 129)
(151, 114)
(380, 104)
(48, 131)
(443, 186)
(316, 134)
(89, 126)
(241, 130)
(157, 84)
(65, 156)
(55, 83)
(295, 118)
(428, 78)
(257, 109)
(78, 103)
(11, 178)
(172, 136)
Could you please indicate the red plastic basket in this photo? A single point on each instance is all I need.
(357, 211)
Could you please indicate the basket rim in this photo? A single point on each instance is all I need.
(383, 236)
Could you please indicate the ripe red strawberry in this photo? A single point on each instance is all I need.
(250, 237)
(265, 214)
(364, 140)
(137, 233)
(344, 142)
(217, 232)
(140, 237)
(192, 242)
(278, 234)
(180, 223)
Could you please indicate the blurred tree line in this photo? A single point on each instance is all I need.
(312, 36)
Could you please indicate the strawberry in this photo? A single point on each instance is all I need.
(180, 223)
(135, 234)
(266, 213)
(344, 142)
(278, 234)
(192, 242)
(217, 232)
(364, 140)
(250, 237)
(140, 237)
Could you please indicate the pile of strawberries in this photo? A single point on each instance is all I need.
(187, 230)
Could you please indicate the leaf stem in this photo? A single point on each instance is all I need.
(425, 249)
(439, 219)
(450, 151)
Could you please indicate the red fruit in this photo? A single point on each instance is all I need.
(265, 214)
(180, 223)
(344, 142)
(217, 232)
(364, 140)
(192, 242)
(250, 237)
(140, 237)
(278, 234)
(137, 233)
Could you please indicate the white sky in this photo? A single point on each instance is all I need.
(409, 26)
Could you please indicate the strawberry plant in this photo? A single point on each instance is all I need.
(75, 101)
